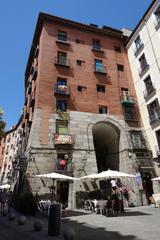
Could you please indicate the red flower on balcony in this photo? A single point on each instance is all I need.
(62, 162)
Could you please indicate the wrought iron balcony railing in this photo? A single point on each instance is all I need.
(100, 69)
(143, 69)
(149, 91)
(127, 100)
(62, 90)
(154, 117)
(157, 23)
(62, 61)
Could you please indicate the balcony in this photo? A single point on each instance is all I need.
(64, 167)
(34, 73)
(29, 89)
(62, 61)
(62, 40)
(149, 92)
(62, 90)
(139, 145)
(155, 117)
(127, 100)
(138, 48)
(32, 101)
(60, 139)
(36, 52)
(157, 151)
(142, 70)
(100, 69)
(157, 23)
(97, 49)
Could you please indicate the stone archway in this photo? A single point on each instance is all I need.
(106, 143)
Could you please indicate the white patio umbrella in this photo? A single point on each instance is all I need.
(156, 179)
(5, 186)
(54, 175)
(108, 175)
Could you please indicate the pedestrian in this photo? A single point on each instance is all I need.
(120, 199)
(114, 184)
(126, 196)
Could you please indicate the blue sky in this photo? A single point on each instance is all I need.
(17, 24)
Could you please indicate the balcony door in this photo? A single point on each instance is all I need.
(158, 138)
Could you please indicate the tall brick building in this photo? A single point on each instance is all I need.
(80, 114)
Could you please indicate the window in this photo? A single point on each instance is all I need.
(157, 14)
(101, 88)
(98, 64)
(138, 43)
(117, 49)
(103, 109)
(79, 41)
(96, 44)
(148, 85)
(61, 127)
(62, 58)
(120, 67)
(61, 105)
(125, 93)
(61, 85)
(143, 63)
(62, 36)
(80, 62)
(154, 111)
(130, 113)
(158, 139)
(80, 88)
(137, 140)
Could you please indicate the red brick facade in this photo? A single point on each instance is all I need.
(79, 46)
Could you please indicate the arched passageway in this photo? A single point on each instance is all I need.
(106, 142)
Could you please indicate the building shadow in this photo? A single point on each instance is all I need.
(85, 232)
(130, 214)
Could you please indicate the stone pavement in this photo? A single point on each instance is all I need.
(139, 223)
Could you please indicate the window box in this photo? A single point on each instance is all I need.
(62, 139)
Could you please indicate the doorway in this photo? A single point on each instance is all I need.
(62, 192)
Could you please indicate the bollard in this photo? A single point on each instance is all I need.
(54, 220)
(38, 225)
(4, 212)
(69, 234)
(11, 216)
(21, 220)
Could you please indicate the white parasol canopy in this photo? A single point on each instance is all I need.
(54, 175)
(156, 179)
(5, 186)
(108, 175)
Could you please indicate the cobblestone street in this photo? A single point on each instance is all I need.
(140, 223)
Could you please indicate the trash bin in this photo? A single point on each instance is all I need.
(54, 220)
